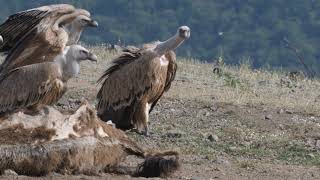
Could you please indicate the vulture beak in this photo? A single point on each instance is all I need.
(92, 57)
(93, 23)
(1, 40)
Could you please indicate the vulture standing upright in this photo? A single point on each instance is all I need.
(136, 80)
(33, 86)
(40, 34)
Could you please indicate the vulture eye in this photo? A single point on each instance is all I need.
(84, 52)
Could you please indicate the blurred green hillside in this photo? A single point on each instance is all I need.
(235, 29)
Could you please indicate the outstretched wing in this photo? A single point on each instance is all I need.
(29, 85)
(45, 40)
(18, 25)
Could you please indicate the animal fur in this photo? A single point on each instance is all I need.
(74, 144)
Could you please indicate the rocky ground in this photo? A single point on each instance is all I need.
(239, 124)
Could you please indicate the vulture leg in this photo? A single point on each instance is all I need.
(141, 118)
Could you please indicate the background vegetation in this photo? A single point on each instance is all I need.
(234, 29)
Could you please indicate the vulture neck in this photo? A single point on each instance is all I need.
(68, 64)
(74, 33)
(169, 45)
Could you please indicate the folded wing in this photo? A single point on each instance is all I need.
(30, 85)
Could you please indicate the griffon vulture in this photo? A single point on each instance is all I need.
(136, 80)
(32, 86)
(40, 34)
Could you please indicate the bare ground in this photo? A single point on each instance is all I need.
(241, 124)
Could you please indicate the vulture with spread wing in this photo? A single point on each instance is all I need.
(40, 34)
(32, 86)
(136, 80)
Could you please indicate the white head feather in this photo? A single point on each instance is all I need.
(69, 60)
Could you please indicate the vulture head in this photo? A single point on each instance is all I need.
(85, 21)
(76, 27)
(80, 53)
(172, 43)
(184, 32)
(71, 58)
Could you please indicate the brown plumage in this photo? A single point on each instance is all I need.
(32, 86)
(136, 80)
(36, 35)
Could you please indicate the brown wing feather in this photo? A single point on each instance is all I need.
(18, 25)
(32, 49)
(126, 80)
(29, 85)
(40, 43)
(172, 69)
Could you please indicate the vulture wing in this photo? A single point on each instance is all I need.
(171, 74)
(22, 23)
(29, 85)
(45, 40)
(130, 76)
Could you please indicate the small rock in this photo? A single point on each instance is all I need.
(213, 108)
(232, 148)
(222, 160)
(9, 172)
(268, 117)
(213, 138)
(318, 144)
(175, 133)
(289, 111)
(310, 142)
(246, 144)
(281, 111)
(281, 127)
(310, 155)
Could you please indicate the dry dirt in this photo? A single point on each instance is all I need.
(223, 130)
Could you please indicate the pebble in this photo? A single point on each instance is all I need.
(213, 138)
(318, 144)
(175, 133)
(310, 155)
(281, 127)
(281, 111)
(289, 111)
(268, 117)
